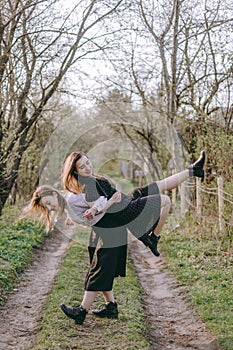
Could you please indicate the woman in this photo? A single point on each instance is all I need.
(144, 212)
(114, 223)
(105, 263)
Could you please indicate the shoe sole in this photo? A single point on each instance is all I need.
(78, 322)
(155, 252)
(112, 317)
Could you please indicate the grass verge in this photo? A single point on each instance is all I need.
(59, 332)
(202, 259)
(17, 243)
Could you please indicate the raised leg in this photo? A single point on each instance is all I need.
(151, 240)
(165, 208)
(172, 181)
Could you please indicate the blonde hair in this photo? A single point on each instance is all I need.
(36, 206)
(68, 180)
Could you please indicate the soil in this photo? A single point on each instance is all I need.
(172, 322)
(23, 311)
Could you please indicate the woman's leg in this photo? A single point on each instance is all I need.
(78, 313)
(165, 208)
(151, 239)
(88, 299)
(160, 186)
(195, 169)
(172, 181)
(108, 296)
(110, 309)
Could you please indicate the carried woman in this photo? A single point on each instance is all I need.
(92, 201)
(143, 212)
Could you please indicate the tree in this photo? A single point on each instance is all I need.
(147, 130)
(38, 48)
(176, 57)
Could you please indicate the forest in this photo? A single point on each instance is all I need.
(140, 86)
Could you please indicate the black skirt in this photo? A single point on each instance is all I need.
(140, 214)
(105, 263)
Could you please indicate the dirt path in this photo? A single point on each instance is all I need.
(172, 322)
(21, 316)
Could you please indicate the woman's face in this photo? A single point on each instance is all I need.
(83, 166)
(50, 202)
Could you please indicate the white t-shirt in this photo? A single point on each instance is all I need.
(77, 205)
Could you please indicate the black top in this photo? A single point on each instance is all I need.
(96, 187)
(99, 186)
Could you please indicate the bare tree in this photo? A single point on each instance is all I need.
(176, 52)
(170, 32)
(207, 73)
(38, 46)
(145, 128)
(176, 58)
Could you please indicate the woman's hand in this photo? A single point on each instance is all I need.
(90, 213)
(116, 197)
(69, 222)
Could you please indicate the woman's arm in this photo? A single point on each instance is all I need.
(116, 198)
(101, 205)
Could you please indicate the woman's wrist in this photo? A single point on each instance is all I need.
(95, 210)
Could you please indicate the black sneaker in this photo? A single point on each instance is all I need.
(151, 241)
(110, 311)
(77, 313)
(197, 168)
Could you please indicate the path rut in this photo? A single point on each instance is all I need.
(21, 315)
(172, 322)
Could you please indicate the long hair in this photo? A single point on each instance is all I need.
(68, 180)
(36, 206)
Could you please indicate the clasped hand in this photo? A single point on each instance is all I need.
(91, 212)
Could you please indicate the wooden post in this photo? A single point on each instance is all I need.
(183, 201)
(173, 191)
(220, 205)
(132, 165)
(140, 179)
(198, 197)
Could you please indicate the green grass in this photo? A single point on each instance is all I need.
(17, 241)
(59, 332)
(202, 259)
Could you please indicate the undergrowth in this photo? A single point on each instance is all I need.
(202, 259)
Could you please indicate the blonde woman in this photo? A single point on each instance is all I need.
(105, 263)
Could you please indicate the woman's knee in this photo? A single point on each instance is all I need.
(165, 201)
